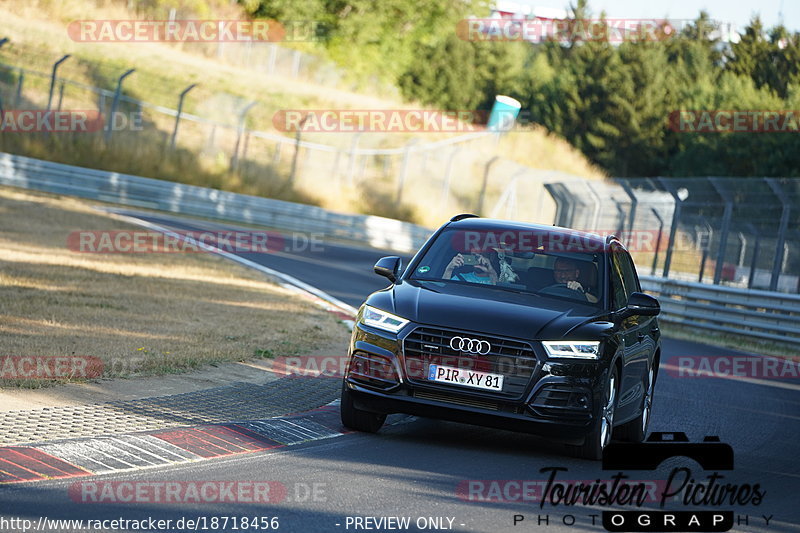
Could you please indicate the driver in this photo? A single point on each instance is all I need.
(566, 272)
(486, 268)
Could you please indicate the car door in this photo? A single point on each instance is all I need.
(647, 332)
(632, 330)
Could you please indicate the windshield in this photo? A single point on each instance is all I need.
(571, 273)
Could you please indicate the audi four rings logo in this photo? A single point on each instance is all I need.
(463, 344)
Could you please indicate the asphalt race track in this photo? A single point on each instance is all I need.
(451, 475)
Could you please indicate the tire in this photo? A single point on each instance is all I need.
(358, 419)
(636, 429)
(603, 427)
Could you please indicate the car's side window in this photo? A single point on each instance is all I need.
(618, 295)
(624, 280)
(629, 274)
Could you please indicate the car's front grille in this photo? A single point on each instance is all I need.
(458, 400)
(514, 360)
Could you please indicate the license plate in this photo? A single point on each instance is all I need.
(468, 378)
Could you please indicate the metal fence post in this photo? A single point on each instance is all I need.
(248, 52)
(178, 114)
(565, 204)
(403, 171)
(779, 248)
(621, 222)
(3, 41)
(298, 133)
(351, 165)
(20, 83)
(726, 224)
(115, 103)
(447, 175)
(598, 206)
(658, 240)
(53, 79)
(485, 183)
(385, 165)
(676, 215)
(276, 155)
(296, 64)
(273, 56)
(509, 197)
(242, 117)
(362, 170)
(632, 213)
(754, 261)
(742, 248)
(704, 256)
(60, 96)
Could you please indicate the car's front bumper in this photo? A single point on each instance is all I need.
(559, 402)
(369, 400)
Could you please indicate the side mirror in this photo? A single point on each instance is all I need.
(641, 304)
(388, 267)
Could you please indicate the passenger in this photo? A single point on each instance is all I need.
(486, 268)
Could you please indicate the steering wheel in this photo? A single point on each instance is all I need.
(558, 289)
(555, 286)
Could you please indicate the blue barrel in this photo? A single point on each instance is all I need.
(504, 113)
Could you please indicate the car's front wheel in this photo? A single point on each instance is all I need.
(636, 429)
(603, 426)
(358, 419)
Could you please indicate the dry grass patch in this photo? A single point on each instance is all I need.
(139, 313)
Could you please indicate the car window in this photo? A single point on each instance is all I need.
(624, 280)
(629, 274)
(512, 262)
(618, 295)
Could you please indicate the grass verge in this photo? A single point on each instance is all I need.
(141, 314)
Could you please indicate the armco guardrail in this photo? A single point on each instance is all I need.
(123, 189)
(769, 316)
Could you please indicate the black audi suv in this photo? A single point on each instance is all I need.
(515, 326)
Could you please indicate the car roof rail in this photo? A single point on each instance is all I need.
(462, 216)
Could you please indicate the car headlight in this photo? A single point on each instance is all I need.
(382, 320)
(572, 349)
